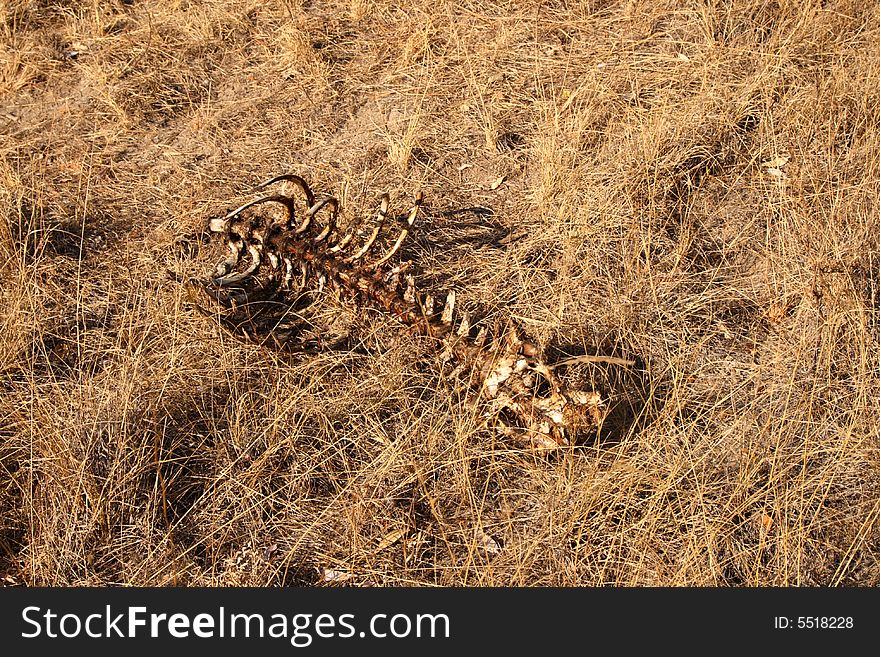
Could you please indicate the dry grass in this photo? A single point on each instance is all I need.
(691, 184)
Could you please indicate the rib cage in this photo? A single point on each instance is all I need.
(274, 263)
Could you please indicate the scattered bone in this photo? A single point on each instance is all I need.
(218, 224)
(226, 266)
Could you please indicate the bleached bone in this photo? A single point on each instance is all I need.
(288, 271)
(331, 223)
(232, 279)
(448, 308)
(341, 244)
(346, 239)
(409, 294)
(409, 222)
(296, 180)
(304, 225)
(392, 277)
(380, 219)
(304, 274)
(219, 224)
(480, 340)
(222, 225)
(226, 266)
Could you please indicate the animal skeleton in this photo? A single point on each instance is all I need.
(274, 261)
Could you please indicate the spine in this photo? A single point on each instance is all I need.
(274, 259)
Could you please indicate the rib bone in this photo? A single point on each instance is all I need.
(296, 180)
(331, 223)
(380, 219)
(409, 222)
(232, 279)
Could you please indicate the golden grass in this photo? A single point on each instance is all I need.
(692, 185)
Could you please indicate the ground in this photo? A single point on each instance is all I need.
(689, 185)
